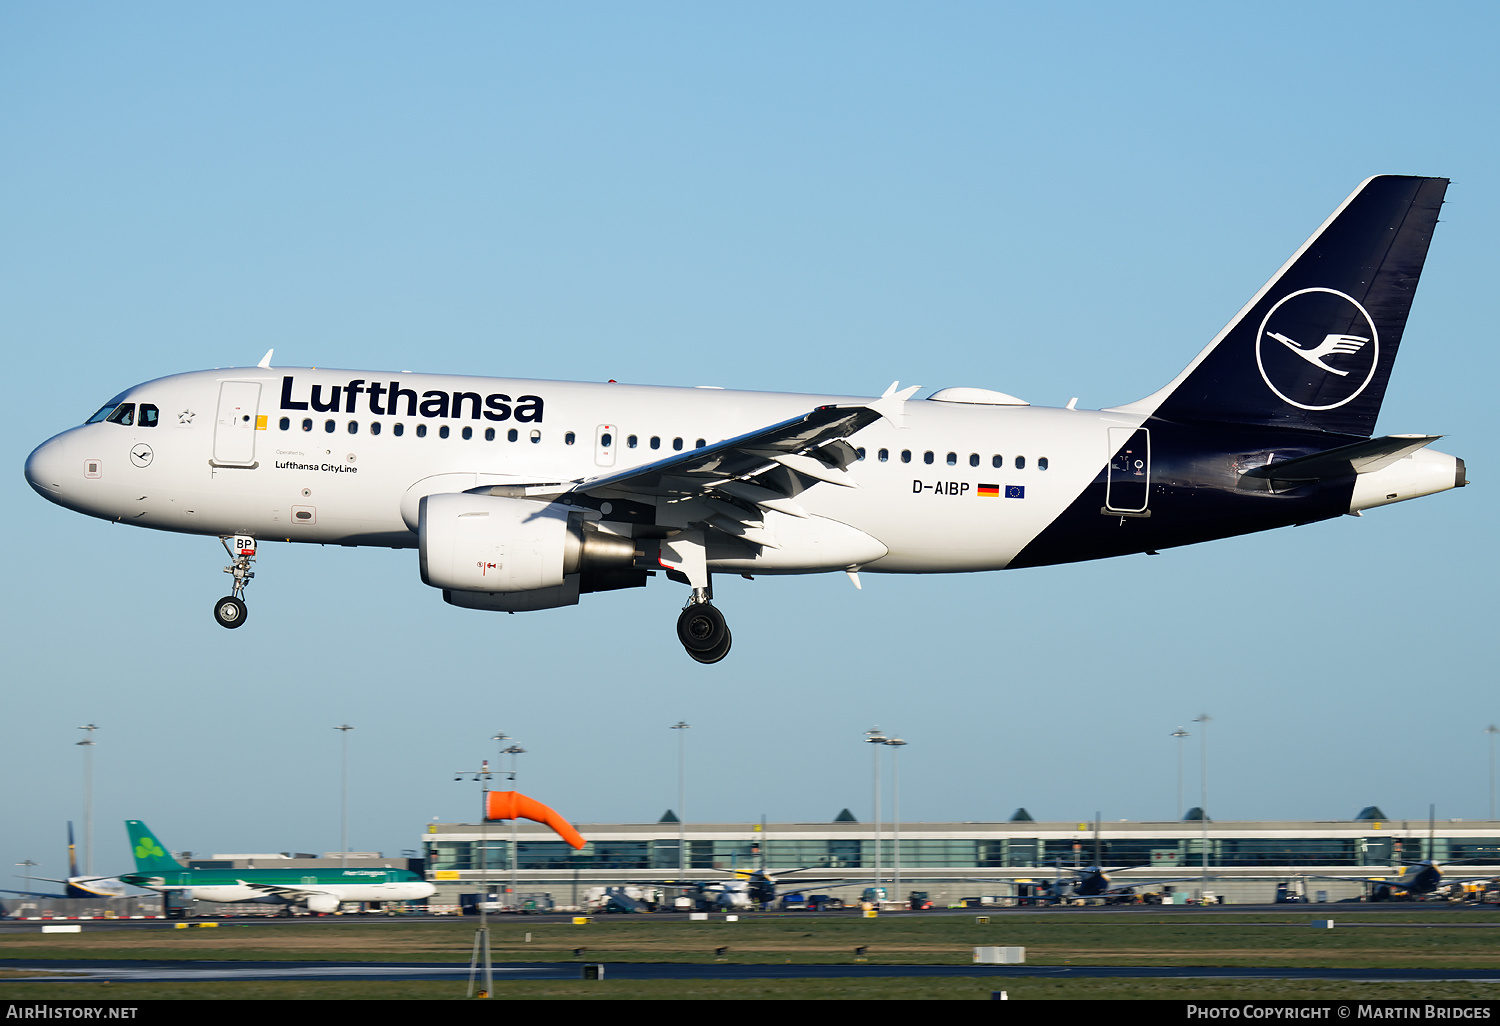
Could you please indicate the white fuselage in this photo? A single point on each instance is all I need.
(410, 890)
(283, 474)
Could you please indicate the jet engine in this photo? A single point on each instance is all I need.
(503, 553)
(322, 903)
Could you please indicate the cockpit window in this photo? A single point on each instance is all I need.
(106, 409)
(149, 415)
(124, 414)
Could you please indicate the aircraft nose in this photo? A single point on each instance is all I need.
(44, 469)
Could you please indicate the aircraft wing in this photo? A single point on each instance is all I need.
(810, 885)
(284, 892)
(33, 894)
(764, 467)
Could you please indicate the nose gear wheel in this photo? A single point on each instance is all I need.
(229, 611)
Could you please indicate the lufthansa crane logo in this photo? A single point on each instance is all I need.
(1317, 349)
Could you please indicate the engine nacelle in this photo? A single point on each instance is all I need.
(322, 903)
(499, 545)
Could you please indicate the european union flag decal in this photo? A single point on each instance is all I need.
(1015, 491)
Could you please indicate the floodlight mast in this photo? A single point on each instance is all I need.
(896, 743)
(682, 859)
(876, 738)
(87, 744)
(343, 730)
(481, 955)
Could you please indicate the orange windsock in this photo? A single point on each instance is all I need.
(515, 805)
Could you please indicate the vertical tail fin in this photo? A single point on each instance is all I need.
(1314, 348)
(72, 852)
(150, 855)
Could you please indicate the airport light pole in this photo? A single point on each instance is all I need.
(481, 955)
(1203, 719)
(1180, 735)
(344, 793)
(682, 859)
(896, 743)
(876, 738)
(87, 744)
(515, 848)
(1492, 730)
(26, 868)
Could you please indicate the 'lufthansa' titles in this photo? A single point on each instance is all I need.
(395, 401)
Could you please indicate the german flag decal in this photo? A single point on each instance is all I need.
(989, 491)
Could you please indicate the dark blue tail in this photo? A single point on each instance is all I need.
(1313, 350)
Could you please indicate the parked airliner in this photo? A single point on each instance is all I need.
(317, 890)
(524, 495)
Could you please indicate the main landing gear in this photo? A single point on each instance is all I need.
(702, 630)
(230, 610)
(700, 627)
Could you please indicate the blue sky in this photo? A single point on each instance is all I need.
(1050, 200)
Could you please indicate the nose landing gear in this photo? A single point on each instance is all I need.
(230, 610)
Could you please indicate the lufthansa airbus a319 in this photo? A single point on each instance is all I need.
(524, 495)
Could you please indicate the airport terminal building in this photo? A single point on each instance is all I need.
(1238, 862)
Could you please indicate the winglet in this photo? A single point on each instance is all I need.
(892, 404)
(265, 361)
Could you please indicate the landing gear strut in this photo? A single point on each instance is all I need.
(230, 610)
(702, 630)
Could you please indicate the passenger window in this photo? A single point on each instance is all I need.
(655, 442)
(329, 426)
(700, 443)
(286, 423)
(354, 427)
(905, 455)
(953, 459)
(1020, 462)
(883, 455)
(374, 427)
(1041, 463)
(421, 430)
(399, 429)
(607, 440)
(124, 414)
(489, 434)
(512, 435)
(973, 459)
(676, 445)
(536, 436)
(630, 442)
(569, 438)
(149, 415)
(927, 456)
(306, 423)
(443, 431)
(997, 462)
(468, 433)
(859, 453)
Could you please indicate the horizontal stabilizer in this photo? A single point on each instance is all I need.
(1358, 458)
